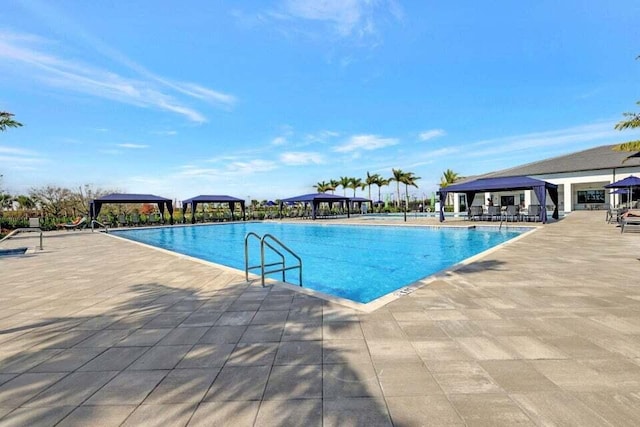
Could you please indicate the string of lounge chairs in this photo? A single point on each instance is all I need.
(510, 213)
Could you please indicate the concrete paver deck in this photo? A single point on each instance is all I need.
(546, 330)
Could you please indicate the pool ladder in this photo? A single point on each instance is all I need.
(269, 241)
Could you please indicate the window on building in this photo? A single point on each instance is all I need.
(462, 202)
(507, 200)
(590, 196)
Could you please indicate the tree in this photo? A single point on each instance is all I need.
(344, 181)
(322, 187)
(632, 121)
(6, 121)
(380, 182)
(398, 175)
(408, 179)
(355, 183)
(371, 180)
(25, 202)
(448, 178)
(334, 184)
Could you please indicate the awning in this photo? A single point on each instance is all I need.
(314, 199)
(203, 198)
(96, 204)
(511, 183)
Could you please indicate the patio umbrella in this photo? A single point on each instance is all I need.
(629, 182)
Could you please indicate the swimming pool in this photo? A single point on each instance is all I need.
(360, 263)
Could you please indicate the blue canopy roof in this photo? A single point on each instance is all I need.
(315, 199)
(205, 198)
(96, 204)
(630, 181)
(510, 183)
(502, 184)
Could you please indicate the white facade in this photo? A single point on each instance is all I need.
(578, 190)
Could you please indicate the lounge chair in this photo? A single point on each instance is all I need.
(512, 212)
(494, 213)
(533, 213)
(75, 225)
(631, 217)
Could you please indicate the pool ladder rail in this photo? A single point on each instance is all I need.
(270, 242)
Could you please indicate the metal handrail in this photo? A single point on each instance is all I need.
(263, 272)
(95, 221)
(25, 230)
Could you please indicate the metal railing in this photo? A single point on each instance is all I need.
(264, 242)
(25, 230)
(95, 222)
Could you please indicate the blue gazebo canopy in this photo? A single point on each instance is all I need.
(510, 183)
(205, 198)
(314, 199)
(96, 204)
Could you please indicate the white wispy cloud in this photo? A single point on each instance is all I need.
(165, 132)
(301, 158)
(279, 140)
(230, 168)
(132, 146)
(24, 54)
(355, 20)
(598, 132)
(430, 134)
(365, 142)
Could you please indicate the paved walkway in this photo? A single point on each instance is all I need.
(98, 331)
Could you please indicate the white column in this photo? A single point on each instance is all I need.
(568, 197)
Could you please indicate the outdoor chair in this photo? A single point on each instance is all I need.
(476, 213)
(135, 219)
(122, 220)
(494, 213)
(512, 213)
(630, 217)
(533, 213)
(74, 225)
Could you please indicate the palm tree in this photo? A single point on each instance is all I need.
(355, 183)
(6, 121)
(334, 184)
(398, 175)
(345, 182)
(380, 182)
(370, 180)
(408, 179)
(448, 178)
(322, 187)
(632, 121)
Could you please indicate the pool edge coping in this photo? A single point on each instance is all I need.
(363, 307)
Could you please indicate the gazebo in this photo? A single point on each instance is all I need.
(203, 198)
(470, 189)
(96, 204)
(314, 199)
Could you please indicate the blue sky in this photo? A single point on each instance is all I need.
(263, 99)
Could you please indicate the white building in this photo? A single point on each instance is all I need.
(580, 177)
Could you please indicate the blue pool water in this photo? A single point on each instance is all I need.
(360, 263)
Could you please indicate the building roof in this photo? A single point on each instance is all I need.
(602, 157)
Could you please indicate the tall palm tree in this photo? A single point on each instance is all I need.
(345, 182)
(632, 122)
(380, 182)
(334, 184)
(322, 187)
(6, 121)
(355, 183)
(448, 178)
(408, 179)
(398, 175)
(370, 180)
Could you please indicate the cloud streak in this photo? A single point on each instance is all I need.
(365, 143)
(146, 91)
(431, 134)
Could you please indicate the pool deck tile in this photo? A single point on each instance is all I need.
(543, 330)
